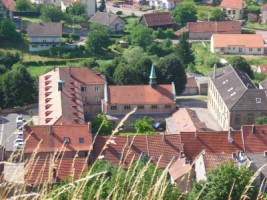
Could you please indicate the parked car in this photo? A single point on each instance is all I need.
(18, 145)
(19, 119)
(159, 126)
(20, 135)
(18, 140)
(116, 5)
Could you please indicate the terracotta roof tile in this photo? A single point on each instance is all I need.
(216, 27)
(158, 19)
(41, 170)
(264, 7)
(179, 168)
(151, 146)
(212, 160)
(9, 4)
(140, 94)
(52, 138)
(211, 142)
(247, 40)
(237, 4)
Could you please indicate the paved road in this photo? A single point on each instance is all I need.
(126, 11)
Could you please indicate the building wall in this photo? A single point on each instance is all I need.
(200, 168)
(217, 107)
(190, 91)
(44, 39)
(117, 26)
(40, 47)
(164, 4)
(207, 35)
(264, 17)
(233, 14)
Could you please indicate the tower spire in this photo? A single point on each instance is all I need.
(152, 77)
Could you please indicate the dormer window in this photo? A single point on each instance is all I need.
(66, 140)
(258, 100)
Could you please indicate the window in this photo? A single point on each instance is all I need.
(127, 107)
(250, 118)
(97, 99)
(240, 49)
(168, 106)
(113, 107)
(141, 107)
(237, 119)
(81, 140)
(154, 107)
(233, 48)
(83, 88)
(234, 12)
(229, 12)
(259, 49)
(250, 49)
(258, 100)
(84, 99)
(66, 140)
(97, 88)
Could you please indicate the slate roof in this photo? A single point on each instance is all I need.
(167, 147)
(263, 84)
(51, 138)
(44, 29)
(103, 18)
(258, 160)
(237, 90)
(222, 26)
(41, 170)
(157, 19)
(236, 4)
(140, 94)
(246, 40)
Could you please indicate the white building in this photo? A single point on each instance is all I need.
(234, 9)
(252, 44)
(164, 4)
(43, 36)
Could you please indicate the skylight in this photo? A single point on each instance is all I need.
(230, 89)
(225, 81)
(233, 94)
(258, 100)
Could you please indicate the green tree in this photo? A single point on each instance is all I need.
(23, 5)
(142, 36)
(98, 38)
(217, 15)
(76, 8)
(125, 75)
(222, 180)
(261, 120)
(170, 69)
(102, 125)
(185, 12)
(184, 52)
(241, 63)
(144, 125)
(102, 6)
(8, 31)
(8, 59)
(51, 13)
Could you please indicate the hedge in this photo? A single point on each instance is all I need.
(53, 62)
(27, 14)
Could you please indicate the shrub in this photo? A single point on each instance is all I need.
(248, 31)
(74, 36)
(119, 12)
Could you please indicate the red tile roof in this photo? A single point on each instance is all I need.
(211, 142)
(203, 27)
(150, 146)
(263, 69)
(157, 19)
(41, 170)
(212, 160)
(51, 138)
(191, 82)
(236, 4)
(9, 4)
(140, 94)
(179, 168)
(264, 7)
(255, 138)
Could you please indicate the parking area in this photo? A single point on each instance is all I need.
(202, 111)
(8, 127)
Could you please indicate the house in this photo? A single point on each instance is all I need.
(113, 22)
(153, 100)
(184, 120)
(196, 85)
(263, 85)
(68, 94)
(264, 14)
(204, 30)
(120, 150)
(43, 36)
(234, 9)
(164, 4)
(190, 87)
(252, 44)
(161, 20)
(233, 99)
(6, 8)
(64, 140)
(262, 69)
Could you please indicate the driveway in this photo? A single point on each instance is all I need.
(202, 112)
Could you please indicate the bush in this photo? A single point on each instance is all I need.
(65, 35)
(74, 36)
(119, 12)
(248, 31)
(8, 59)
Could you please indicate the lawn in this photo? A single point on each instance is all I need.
(203, 12)
(130, 22)
(256, 25)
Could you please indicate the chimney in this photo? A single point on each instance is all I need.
(196, 134)
(253, 129)
(60, 85)
(128, 141)
(230, 138)
(51, 132)
(163, 138)
(214, 70)
(89, 127)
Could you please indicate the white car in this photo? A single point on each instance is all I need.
(19, 135)
(18, 145)
(18, 140)
(19, 119)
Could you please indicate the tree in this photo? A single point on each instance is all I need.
(23, 5)
(226, 181)
(184, 52)
(102, 125)
(217, 15)
(185, 12)
(98, 38)
(142, 36)
(170, 69)
(261, 120)
(76, 8)
(125, 75)
(102, 6)
(241, 64)
(8, 31)
(51, 13)
(8, 59)
(144, 125)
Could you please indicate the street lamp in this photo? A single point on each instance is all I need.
(73, 24)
